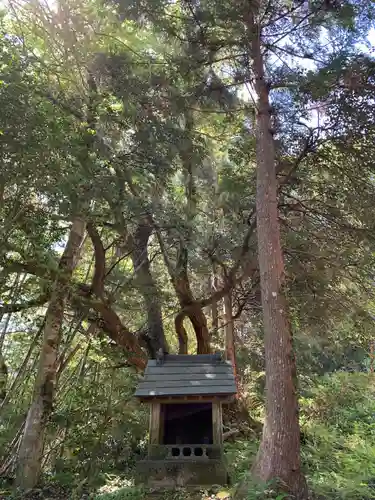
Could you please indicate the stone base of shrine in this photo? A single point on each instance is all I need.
(181, 473)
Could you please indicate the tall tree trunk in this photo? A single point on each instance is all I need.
(3, 378)
(4, 330)
(181, 281)
(372, 356)
(3, 366)
(145, 282)
(230, 345)
(279, 453)
(31, 448)
(214, 285)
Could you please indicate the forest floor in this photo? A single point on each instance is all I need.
(57, 492)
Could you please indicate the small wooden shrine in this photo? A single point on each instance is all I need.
(185, 394)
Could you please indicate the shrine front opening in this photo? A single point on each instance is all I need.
(188, 423)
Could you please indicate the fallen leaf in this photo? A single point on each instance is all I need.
(222, 495)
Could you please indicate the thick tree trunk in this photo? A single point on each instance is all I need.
(193, 311)
(189, 306)
(145, 282)
(199, 321)
(279, 453)
(31, 448)
(181, 333)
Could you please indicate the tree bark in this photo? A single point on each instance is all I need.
(230, 345)
(145, 282)
(181, 283)
(181, 333)
(31, 448)
(190, 307)
(279, 453)
(3, 378)
(111, 324)
(199, 321)
(180, 277)
(214, 285)
(193, 310)
(372, 356)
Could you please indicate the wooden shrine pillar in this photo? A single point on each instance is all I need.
(155, 424)
(217, 423)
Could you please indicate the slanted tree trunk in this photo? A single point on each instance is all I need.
(108, 319)
(145, 283)
(111, 324)
(31, 447)
(279, 453)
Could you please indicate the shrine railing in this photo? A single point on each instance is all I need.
(184, 452)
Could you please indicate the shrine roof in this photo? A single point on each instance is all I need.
(187, 375)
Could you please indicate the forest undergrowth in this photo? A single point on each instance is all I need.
(338, 450)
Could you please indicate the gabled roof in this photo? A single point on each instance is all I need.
(187, 375)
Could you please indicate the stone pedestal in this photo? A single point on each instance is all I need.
(180, 473)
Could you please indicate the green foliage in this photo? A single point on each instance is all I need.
(339, 435)
(127, 493)
(134, 113)
(239, 456)
(338, 441)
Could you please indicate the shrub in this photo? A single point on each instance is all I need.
(339, 432)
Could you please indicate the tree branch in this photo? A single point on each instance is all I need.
(62, 105)
(111, 324)
(99, 252)
(304, 152)
(13, 308)
(11, 266)
(250, 270)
